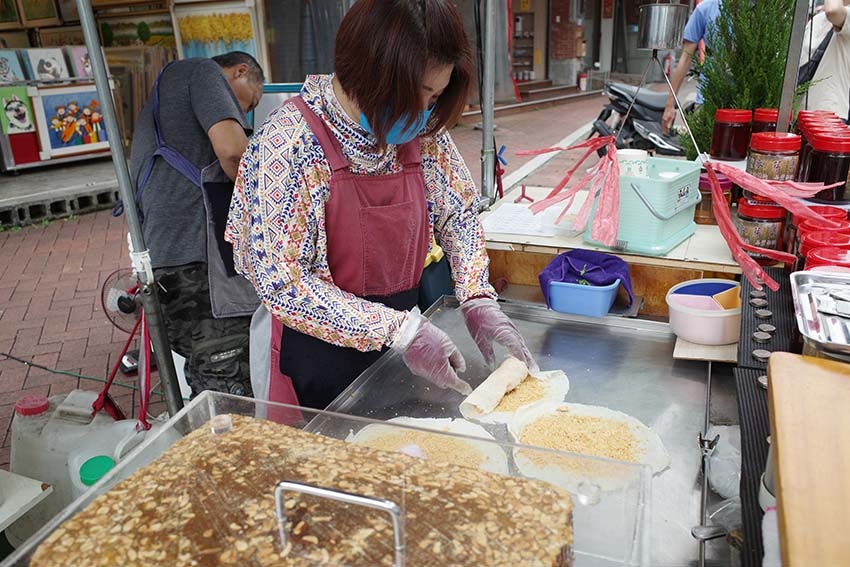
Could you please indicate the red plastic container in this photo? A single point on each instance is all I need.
(827, 257)
(823, 239)
(817, 226)
(792, 236)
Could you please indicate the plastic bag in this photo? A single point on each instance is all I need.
(724, 463)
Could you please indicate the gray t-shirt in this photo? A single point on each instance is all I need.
(193, 96)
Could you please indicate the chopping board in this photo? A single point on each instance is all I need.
(810, 432)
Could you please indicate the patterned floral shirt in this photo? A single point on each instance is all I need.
(277, 216)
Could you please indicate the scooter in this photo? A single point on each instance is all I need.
(642, 130)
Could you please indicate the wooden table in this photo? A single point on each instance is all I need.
(519, 258)
(810, 433)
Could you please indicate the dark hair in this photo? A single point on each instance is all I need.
(383, 48)
(234, 58)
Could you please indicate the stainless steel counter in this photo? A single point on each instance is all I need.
(623, 364)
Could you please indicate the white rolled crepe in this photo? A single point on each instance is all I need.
(481, 403)
(570, 475)
(495, 458)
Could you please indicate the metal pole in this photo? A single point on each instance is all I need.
(140, 256)
(792, 63)
(488, 103)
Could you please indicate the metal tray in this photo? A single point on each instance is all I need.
(822, 308)
(623, 364)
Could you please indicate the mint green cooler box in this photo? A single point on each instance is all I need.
(656, 213)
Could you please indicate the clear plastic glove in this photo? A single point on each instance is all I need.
(488, 324)
(430, 353)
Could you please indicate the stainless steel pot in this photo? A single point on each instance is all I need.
(661, 26)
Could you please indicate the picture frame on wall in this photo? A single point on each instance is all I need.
(69, 120)
(9, 17)
(64, 35)
(152, 28)
(38, 13)
(10, 67)
(45, 64)
(16, 115)
(207, 29)
(68, 11)
(15, 39)
(79, 61)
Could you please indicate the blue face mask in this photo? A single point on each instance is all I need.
(398, 134)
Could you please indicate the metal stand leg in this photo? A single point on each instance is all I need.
(672, 92)
(704, 532)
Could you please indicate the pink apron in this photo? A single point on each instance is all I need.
(378, 237)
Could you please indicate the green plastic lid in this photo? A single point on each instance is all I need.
(94, 469)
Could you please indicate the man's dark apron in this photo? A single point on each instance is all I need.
(230, 294)
(377, 238)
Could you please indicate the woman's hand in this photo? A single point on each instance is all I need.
(488, 324)
(430, 353)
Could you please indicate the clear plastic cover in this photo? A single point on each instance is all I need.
(218, 467)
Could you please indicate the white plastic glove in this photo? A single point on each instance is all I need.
(430, 353)
(488, 324)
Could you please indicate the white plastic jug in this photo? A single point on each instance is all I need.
(45, 433)
(113, 442)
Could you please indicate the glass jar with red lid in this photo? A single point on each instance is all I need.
(731, 135)
(765, 119)
(829, 162)
(809, 131)
(704, 213)
(827, 257)
(760, 224)
(773, 156)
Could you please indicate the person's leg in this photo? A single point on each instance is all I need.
(216, 350)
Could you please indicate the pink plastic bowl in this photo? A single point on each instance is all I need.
(700, 322)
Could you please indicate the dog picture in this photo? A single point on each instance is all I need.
(47, 64)
(10, 69)
(85, 64)
(48, 68)
(7, 74)
(18, 115)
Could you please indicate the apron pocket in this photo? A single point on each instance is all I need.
(389, 248)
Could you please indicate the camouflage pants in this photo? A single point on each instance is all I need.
(216, 350)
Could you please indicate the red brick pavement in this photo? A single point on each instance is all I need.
(50, 312)
(50, 276)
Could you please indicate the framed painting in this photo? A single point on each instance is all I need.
(57, 37)
(9, 18)
(213, 28)
(69, 120)
(10, 68)
(68, 11)
(45, 64)
(152, 28)
(37, 13)
(14, 39)
(80, 64)
(16, 116)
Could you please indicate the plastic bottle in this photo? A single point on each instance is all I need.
(45, 433)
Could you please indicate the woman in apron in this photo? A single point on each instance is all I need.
(340, 193)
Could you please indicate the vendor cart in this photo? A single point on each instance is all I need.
(626, 365)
